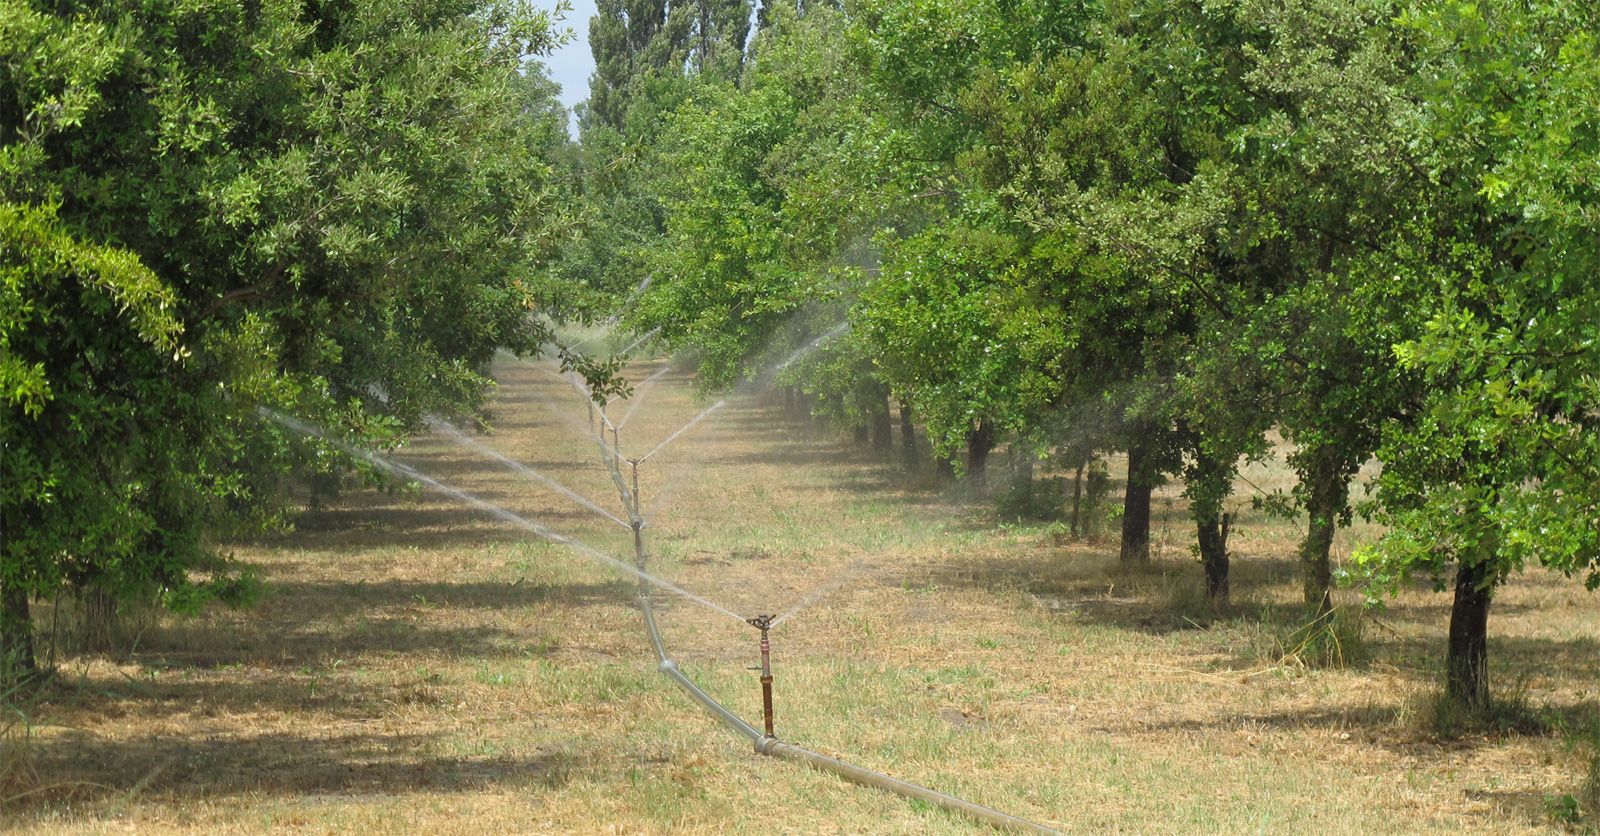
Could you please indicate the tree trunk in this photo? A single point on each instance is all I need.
(705, 36)
(1327, 491)
(1077, 499)
(1136, 508)
(17, 662)
(1021, 460)
(908, 436)
(100, 625)
(945, 468)
(1467, 662)
(862, 435)
(882, 427)
(980, 441)
(1213, 535)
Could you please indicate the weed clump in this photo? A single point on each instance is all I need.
(1512, 713)
(18, 704)
(1589, 794)
(1335, 640)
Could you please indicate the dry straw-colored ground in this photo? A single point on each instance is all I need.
(420, 667)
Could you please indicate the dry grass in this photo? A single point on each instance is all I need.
(419, 667)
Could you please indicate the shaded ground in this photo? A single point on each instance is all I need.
(419, 666)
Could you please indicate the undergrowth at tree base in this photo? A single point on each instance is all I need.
(1334, 639)
(1511, 713)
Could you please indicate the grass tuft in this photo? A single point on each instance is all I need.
(1589, 793)
(1511, 713)
(19, 773)
(1335, 640)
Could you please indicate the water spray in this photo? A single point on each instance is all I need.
(817, 594)
(489, 507)
(765, 744)
(638, 394)
(636, 343)
(460, 438)
(685, 428)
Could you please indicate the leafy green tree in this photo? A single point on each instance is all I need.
(71, 425)
(1107, 155)
(336, 207)
(1499, 464)
(957, 330)
(623, 38)
(755, 259)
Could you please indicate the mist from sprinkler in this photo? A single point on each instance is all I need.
(817, 594)
(638, 394)
(808, 348)
(685, 428)
(462, 439)
(640, 341)
(486, 506)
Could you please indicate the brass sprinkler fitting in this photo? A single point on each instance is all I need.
(764, 624)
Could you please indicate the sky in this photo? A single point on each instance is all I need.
(572, 64)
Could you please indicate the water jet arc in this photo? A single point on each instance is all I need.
(773, 747)
(766, 743)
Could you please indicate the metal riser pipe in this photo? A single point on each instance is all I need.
(773, 747)
(766, 744)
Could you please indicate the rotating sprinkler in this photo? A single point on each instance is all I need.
(764, 624)
(766, 744)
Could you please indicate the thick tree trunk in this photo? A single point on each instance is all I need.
(1077, 500)
(1467, 661)
(1326, 493)
(1136, 508)
(980, 441)
(1213, 535)
(882, 426)
(908, 436)
(17, 661)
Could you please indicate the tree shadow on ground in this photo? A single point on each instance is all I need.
(312, 622)
(1163, 597)
(376, 519)
(1389, 725)
(104, 775)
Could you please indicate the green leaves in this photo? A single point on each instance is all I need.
(333, 209)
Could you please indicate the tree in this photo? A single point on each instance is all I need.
(954, 327)
(763, 235)
(1499, 464)
(68, 424)
(338, 207)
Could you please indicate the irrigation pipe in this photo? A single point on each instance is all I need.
(775, 748)
(495, 510)
(772, 746)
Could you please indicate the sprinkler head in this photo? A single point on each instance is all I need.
(761, 622)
